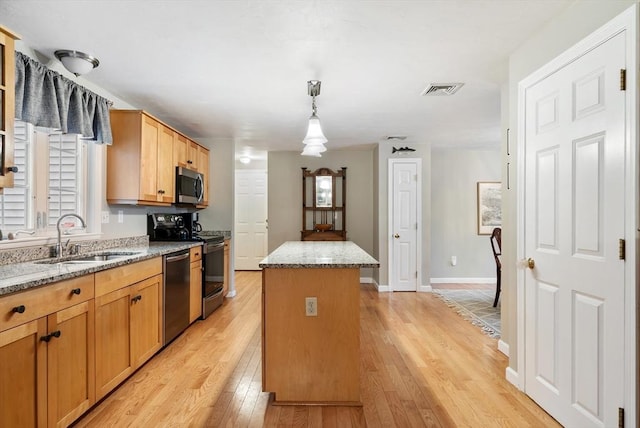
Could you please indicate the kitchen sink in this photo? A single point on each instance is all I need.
(95, 258)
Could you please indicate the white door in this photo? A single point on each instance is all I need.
(404, 227)
(250, 232)
(574, 217)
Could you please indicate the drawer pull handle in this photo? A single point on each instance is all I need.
(20, 309)
(51, 335)
(135, 299)
(76, 291)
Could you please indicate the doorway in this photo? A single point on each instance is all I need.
(576, 218)
(250, 230)
(405, 224)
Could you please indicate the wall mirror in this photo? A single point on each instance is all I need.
(324, 188)
(324, 205)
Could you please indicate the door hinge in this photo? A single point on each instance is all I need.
(621, 249)
(623, 79)
(620, 417)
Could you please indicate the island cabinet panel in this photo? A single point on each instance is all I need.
(23, 375)
(71, 364)
(311, 359)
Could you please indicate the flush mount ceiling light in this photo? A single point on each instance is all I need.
(76, 62)
(315, 139)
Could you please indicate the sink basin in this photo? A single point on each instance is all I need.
(95, 258)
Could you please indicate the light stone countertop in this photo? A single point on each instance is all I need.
(22, 276)
(319, 254)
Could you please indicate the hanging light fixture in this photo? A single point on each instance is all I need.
(315, 139)
(76, 62)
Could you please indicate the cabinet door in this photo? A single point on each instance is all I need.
(166, 170)
(203, 168)
(146, 325)
(112, 338)
(180, 150)
(70, 363)
(23, 381)
(192, 155)
(149, 160)
(195, 300)
(7, 105)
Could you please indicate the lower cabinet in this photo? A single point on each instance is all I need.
(195, 288)
(128, 331)
(47, 363)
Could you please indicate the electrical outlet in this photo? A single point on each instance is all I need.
(311, 306)
(120, 216)
(105, 217)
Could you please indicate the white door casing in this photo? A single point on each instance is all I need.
(250, 231)
(578, 158)
(404, 224)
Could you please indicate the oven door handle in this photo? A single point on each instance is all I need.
(176, 258)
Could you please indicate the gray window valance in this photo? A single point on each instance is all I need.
(47, 98)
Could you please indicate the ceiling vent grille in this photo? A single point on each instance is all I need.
(441, 89)
(396, 137)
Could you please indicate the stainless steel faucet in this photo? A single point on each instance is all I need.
(58, 250)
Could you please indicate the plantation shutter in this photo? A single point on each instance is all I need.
(15, 201)
(64, 171)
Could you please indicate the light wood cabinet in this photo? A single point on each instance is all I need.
(7, 105)
(195, 293)
(140, 166)
(128, 327)
(180, 150)
(192, 156)
(70, 363)
(227, 278)
(47, 354)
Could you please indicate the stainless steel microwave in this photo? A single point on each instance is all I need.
(189, 186)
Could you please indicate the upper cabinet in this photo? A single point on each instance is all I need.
(141, 163)
(7, 105)
(203, 168)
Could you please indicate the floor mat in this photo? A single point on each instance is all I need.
(475, 306)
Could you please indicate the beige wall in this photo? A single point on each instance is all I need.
(578, 21)
(454, 177)
(285, 195)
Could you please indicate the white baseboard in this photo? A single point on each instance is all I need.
(503, 347)
(463, 280)
(382, 288)
(512, 377)
(425, 289)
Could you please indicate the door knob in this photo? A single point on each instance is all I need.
(396, 236)
(531, 263)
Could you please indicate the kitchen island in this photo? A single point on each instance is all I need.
(311, 322)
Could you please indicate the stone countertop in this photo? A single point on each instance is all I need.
(22, 276)
(225, 233)
(319, 254)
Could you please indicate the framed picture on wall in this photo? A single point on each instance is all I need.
(489, 206)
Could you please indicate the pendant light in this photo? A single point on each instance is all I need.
(315, 139)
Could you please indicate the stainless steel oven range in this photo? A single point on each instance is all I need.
(213, 273)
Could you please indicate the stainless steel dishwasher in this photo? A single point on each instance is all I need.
(176, 294)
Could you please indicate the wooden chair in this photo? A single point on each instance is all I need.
(496, 247)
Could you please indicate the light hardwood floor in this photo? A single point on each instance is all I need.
(421, 365)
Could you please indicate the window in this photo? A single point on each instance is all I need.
(50, 182)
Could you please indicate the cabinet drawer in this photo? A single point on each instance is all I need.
(42, 301)
(116, 278)
(196, 253)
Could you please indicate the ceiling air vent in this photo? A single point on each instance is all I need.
(396, 137)
(441, 89)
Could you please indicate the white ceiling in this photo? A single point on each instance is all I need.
(239, 69)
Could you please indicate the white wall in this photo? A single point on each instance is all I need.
(568, 28)
(454, 174)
